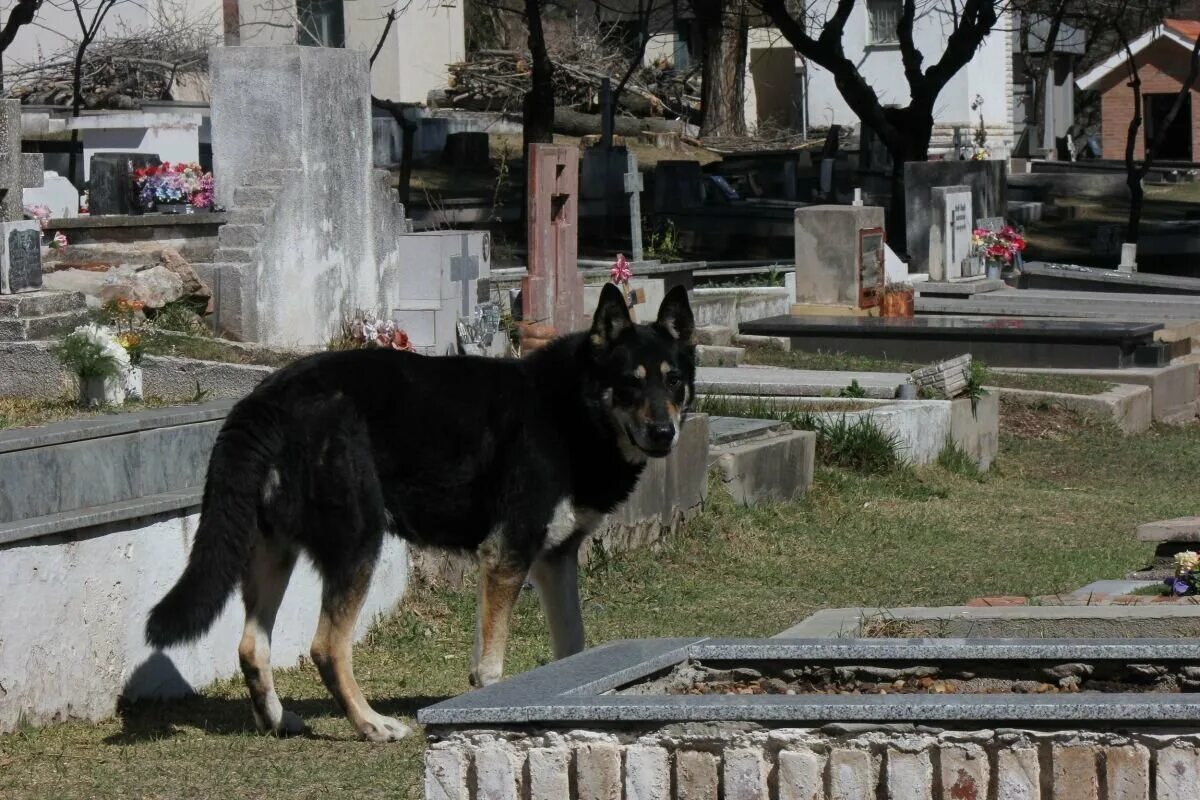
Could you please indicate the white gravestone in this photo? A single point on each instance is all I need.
(442, 274)
(56, 193)
(950, 233)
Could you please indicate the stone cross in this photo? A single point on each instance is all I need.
(633, 188)
(464, 269)
(552, 290)
(18, 171)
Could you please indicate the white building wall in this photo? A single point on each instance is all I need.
(987, 75)
(425, 38)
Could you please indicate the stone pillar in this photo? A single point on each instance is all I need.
(552, 292)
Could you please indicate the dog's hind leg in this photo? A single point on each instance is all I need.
(263, 586)
(499, 585)
(555, 575)
(341, 602)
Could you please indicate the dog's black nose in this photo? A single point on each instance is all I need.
(660, 433)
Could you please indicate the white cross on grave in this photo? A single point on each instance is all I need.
(633, 188)
(464, 268)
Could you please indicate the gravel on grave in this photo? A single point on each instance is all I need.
(694, 678)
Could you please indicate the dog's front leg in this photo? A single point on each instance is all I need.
(556, 578)
(499, 585)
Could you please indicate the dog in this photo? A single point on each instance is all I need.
(516, 460)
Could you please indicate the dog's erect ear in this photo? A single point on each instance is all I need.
(675, 315)
(612, 317)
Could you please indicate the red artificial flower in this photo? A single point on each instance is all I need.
(400, 341)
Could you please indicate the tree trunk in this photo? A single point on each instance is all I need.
(538, 110)
(725, 32)
(912, 132)
(76, 106)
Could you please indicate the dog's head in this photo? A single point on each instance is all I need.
(646, 373)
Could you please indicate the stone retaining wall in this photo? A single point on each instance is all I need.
(836, 762)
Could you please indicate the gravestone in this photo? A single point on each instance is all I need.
(987, 181)
(20, 239)
(443, 278)
(829, 259)
(552, 290)
(633, 186)
(56, 193)
(467, 150)
(990, 223)
(949, 232)
(20, 257)
(678, 186)
(110, 182)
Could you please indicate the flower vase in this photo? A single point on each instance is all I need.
(897, 304)
(96, 391)
(131, 381)
(172, 207)
(994, 269)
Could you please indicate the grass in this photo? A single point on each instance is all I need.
(1057, 512)
(26, 412)
(844, 362)
(170, 343)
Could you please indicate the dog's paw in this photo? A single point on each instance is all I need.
(383, 729)
(484, 676)
(290, 725)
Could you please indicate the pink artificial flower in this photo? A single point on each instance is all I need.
(59, 242)
(621, 273)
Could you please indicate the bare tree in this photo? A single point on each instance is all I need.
(91, 19)
(22, 14)
(725, 29)
(399, 113)
(1135, 173)
(905, 131)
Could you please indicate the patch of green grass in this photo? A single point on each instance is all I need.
(958, 461)
(857, 444)
(1054, 515)
(1067, 384)
(1157, 590)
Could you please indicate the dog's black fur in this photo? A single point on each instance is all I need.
(516, 459)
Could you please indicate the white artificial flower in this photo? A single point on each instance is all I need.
(1187, 560)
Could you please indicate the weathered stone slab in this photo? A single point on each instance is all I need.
(20, 256)
(827, 252)
(1183, 529)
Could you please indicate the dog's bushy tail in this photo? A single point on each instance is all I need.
(225, 538)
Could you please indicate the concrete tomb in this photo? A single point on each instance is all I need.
(443, 280)
(837, 252)
(1043, 275)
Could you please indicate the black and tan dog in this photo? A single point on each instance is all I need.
(516, 460)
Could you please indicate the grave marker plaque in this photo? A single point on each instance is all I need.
(20, 257)
(871, 272)
(949, 232)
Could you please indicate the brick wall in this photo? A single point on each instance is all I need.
(1162, 68)
(838, 762)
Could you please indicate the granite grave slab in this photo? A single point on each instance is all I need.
(1047, 275)
(997, 341)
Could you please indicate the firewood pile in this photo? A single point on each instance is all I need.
(118, 73)
(497, 80)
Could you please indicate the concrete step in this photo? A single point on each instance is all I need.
(247, 216)
(235, 255)
(231, 235)
(48, 326)
(718, 335)
(761, 461)
(39, 304)
(254, 196)
(709, 355)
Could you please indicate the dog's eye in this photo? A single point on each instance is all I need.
(673, 381)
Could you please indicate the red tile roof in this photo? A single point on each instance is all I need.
(1189, 28)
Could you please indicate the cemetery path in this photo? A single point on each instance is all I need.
(1057, 511)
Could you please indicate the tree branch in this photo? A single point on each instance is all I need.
(22, 14)
(387, 26)
(909, 54)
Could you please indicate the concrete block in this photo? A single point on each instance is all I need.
(1018, 774)
(446, 774)
(716, 335)
(778, 467)
(598, 771)
(965, 773)
(1074, 772)
(827, 252)
(801, 775)
(1183, 529)
(1177, 773)
(975, 427)
(696, 775)
(909, 776)
(1127, 772)
(647, 773)
(851, 775)
(1174, 388)
(549, 776)
(496, 771)
(745, 774)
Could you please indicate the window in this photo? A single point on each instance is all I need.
(321, 23)
(882, 18)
